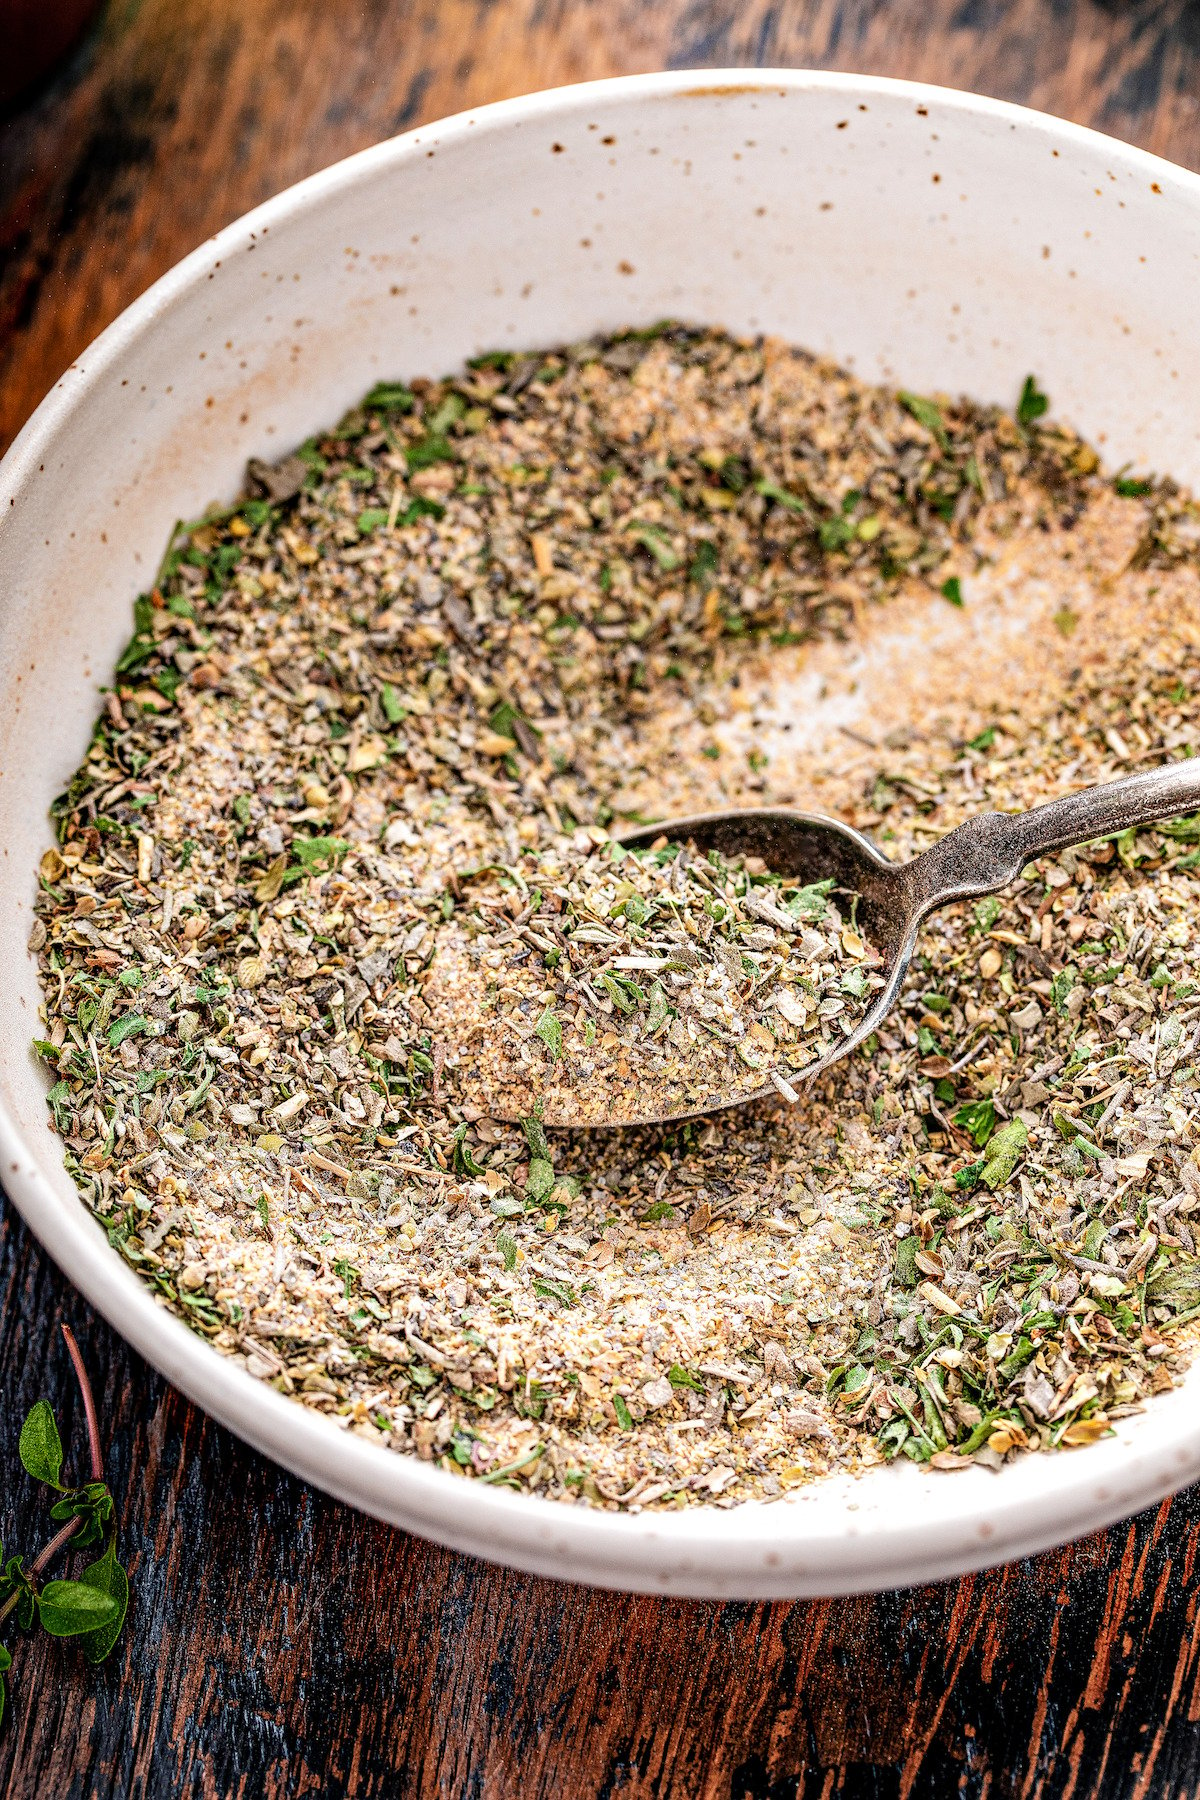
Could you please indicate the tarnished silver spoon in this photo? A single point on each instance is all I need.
(978, 857)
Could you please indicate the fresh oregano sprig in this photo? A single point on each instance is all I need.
(93, 1608)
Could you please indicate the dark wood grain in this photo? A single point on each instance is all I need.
(280, 1645)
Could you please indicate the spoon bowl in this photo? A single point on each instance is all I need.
(980, 856)
(806, 847)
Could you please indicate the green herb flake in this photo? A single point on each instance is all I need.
(770, 490)
(978, 1119)
(389, 396)
(550, 1031)
(656, 541)
(130, 1025)
(1005, 1148)
(683, 1378)
(1032, 404)
(926, 413)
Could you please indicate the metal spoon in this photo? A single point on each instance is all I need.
(978, 857)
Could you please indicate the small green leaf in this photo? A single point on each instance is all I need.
(926, 413)
(550, 1031)
(1131, 489)
(428, 450)
(540, 1184)
(69, 1608)
(93, 1505)
(620, 991)
(683, 1378)
(835, 533)
(951, 590)
(705, 564)
(659, 1011)
(522, 1462)
(347, 1274)
(394, 710)
(465, 1160)
(371, 518)
(978, 1119)
(907, 1273)
(1032, 404)
(109, 1578)
(987, 911)
(316, 853)
(40, 1447)
(15, 1582)
(770, 491)
(506, 1244)
(657, 543)
(535, 1136)
(448, 413)
(624, 1416)
(420, 508)
(129, 1025)
(506, 720)
(389, 396)
(1060, 990)
(547, 1288)
(659, 1209)
(810, 902)
(1004, 1152)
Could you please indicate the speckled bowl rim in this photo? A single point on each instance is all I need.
(837, 1536)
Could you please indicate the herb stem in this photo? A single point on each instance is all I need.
(522, 1462)
(44, 1556)
(89, 1403)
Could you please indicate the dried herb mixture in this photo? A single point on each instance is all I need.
(480, 622)
(643, 983)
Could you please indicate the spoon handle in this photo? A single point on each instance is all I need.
(990, 850)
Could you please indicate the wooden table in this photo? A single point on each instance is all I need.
(281, 1645)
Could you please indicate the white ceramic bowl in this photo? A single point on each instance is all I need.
(934, 238)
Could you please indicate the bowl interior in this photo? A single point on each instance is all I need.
(933, 239)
